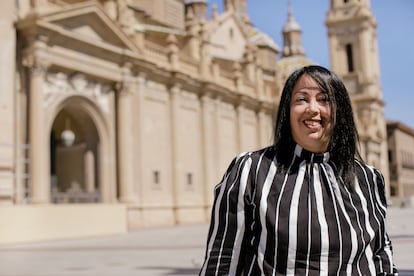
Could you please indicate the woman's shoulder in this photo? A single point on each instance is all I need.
(373, 178)
(250, 160)
(255, 157)
(370, 175)
(362, 167)
(266, 153)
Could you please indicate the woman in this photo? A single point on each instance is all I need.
(308, 205)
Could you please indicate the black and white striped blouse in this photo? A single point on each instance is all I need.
(303, 221)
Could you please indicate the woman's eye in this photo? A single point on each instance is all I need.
(324, 99)
(300, 99)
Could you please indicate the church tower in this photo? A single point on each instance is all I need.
(292, 36)
(352, 35)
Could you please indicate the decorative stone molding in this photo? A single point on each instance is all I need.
(35, 65)
(59, 85)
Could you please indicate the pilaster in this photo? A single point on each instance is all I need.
(265, 137)
(38, 135)
(8, 147)
(240, 111)
(125, 142)
(209, 133)
(175, 91)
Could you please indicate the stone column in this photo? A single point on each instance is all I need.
(265, 133)
(139, 124)
(362, 68)
(241, 139)
(175, 94)
(89, 161)
(125, 143)
(209, 143)
(38, 138)
(10, 168)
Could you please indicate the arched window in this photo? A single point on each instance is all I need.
(349, 57)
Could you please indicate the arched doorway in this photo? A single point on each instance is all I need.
(74, 143)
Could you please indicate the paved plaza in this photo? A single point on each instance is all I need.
(155, 252)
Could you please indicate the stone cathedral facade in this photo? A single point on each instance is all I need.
(125, 114)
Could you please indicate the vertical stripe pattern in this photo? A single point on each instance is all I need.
(297, 221)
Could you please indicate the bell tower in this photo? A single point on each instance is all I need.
(352, 35)
(292, 36)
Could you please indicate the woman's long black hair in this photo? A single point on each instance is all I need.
(344, 138)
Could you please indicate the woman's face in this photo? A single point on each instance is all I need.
(310, 115)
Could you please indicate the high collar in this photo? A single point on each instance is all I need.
(304, 154)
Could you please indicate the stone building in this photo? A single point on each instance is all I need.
(124, 114)
(401, 158)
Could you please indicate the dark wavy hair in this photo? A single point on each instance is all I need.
(344, 139)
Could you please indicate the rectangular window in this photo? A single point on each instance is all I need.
(407, 160)
(156, 177)
(349, 57)
(189, 179)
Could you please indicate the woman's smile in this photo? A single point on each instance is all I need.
(313, 123)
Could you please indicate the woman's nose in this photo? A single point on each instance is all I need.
(313, 106)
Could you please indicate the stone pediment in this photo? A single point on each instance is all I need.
(228, 37)
(88, 22)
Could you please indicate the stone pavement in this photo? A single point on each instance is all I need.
(155, 252)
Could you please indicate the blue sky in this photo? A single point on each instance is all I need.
(395, 42)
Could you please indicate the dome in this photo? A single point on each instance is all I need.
(195, 1)
(291, 24)
(262, 39)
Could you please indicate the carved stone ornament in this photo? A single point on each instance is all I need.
(79, 82)
(59, 85)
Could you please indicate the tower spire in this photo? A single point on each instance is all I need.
(292, 35)
(290, 14)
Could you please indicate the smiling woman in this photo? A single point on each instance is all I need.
(308, 205)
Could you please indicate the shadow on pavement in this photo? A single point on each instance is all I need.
(176, 271)
(406, 273)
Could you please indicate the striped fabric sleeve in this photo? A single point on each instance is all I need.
(383, 255)
(226, 232)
